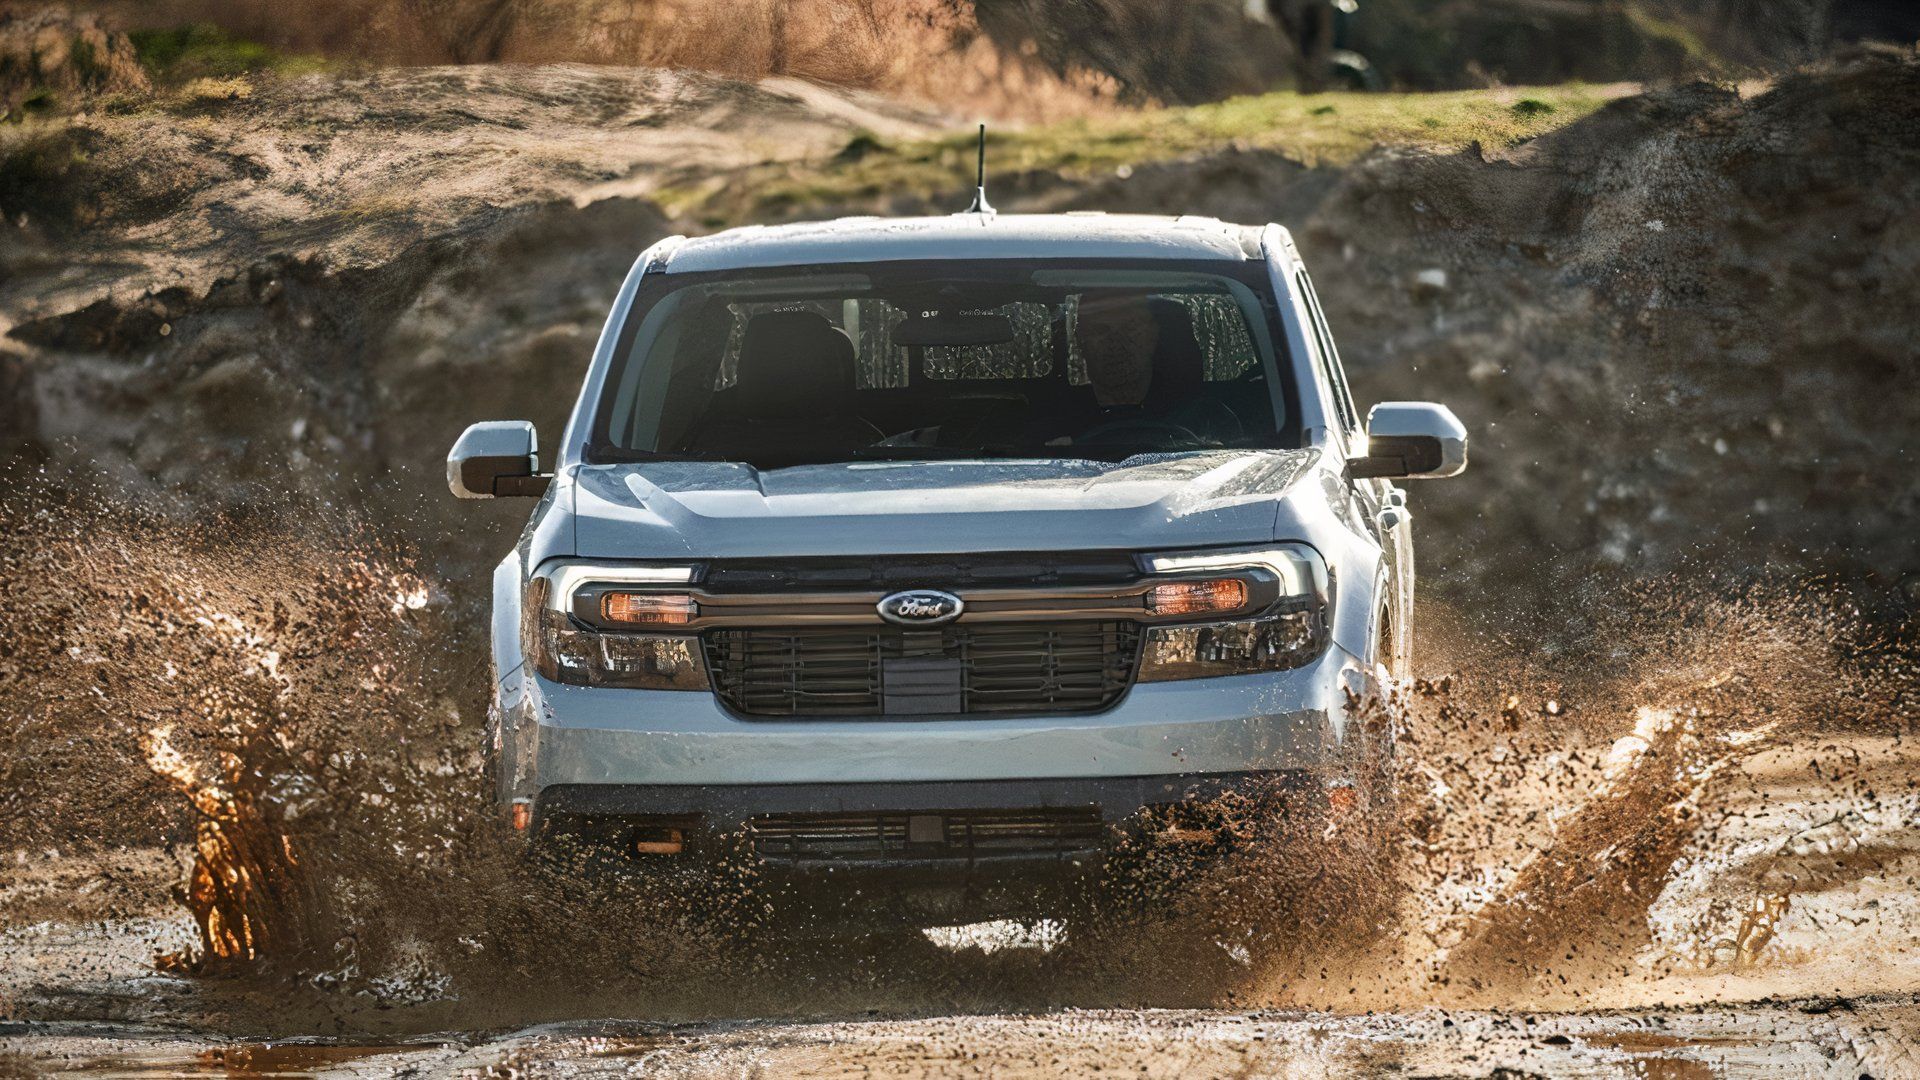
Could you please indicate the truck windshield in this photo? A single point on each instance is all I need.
(1032, 359)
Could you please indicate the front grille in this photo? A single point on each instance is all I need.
(889, 573)
(961, 836)
(1041, 667)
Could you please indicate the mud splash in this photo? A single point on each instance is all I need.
(287, 700)
(268, 693)
(1554, 833)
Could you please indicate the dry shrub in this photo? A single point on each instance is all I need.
(48, 54)
(973, 75)
(1193, 51)
(930, 50)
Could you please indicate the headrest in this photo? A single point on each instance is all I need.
(793, 363)
(1179, 363)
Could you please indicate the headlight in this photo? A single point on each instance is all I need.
(562, 602)
(1289, 633)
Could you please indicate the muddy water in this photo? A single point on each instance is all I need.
(243, 796)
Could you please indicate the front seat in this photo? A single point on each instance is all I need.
(1180, 392)
(793, 399)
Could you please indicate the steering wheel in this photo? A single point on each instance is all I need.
(1143, 425)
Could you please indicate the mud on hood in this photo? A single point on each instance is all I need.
(722, 510)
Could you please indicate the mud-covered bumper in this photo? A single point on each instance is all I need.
(851, 854)
(724, 808)
(667, 745)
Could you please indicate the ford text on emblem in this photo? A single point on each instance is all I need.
(921, 607)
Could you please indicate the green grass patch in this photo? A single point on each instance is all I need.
(185, 53)
(1317, 129)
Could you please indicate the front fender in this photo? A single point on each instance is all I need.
(508, 578)
(1323, 513)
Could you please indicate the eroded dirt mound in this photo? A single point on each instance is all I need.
(1673, 326)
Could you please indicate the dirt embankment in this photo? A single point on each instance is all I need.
(327, 278)
(1678, 329)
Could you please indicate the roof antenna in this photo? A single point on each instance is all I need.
(980, 204)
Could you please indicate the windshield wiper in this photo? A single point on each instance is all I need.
(938, 453)
(620, 455)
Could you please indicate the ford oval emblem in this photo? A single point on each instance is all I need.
(921, 607)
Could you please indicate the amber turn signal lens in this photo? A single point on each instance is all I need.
(1197, 597)
(1342, 799)
(648, 609)
(659, 842)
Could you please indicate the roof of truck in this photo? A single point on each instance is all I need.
(1080, 235)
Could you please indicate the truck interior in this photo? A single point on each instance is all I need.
(799, 369)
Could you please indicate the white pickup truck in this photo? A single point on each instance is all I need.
(936, 550)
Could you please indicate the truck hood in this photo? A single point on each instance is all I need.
(721, 509)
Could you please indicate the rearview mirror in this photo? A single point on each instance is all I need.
(953, 328)
(1412, 439)
(496, 458)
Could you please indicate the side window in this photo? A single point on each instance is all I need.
(1329, 356)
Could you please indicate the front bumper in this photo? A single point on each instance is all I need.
(727, 808)
(679, 745)
(851, 854)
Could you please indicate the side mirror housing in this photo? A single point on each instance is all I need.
(496, 458)
(1412, 439)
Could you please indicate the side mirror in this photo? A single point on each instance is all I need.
(1414, 439)
(495, 458)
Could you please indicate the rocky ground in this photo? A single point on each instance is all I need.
(1660, 823)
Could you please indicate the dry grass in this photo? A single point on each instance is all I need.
(209, 89)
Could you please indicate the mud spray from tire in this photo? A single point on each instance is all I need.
(287, 700)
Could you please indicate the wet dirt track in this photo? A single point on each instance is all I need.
(1806, 1039)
